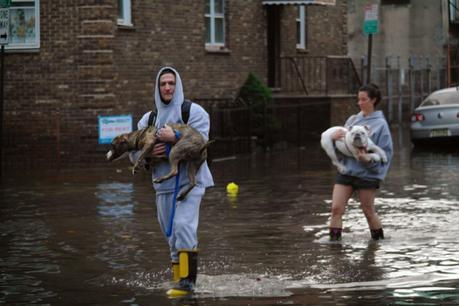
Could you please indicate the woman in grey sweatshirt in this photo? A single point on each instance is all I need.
(361, 176)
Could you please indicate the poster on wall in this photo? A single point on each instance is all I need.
(22, 25)
(112, 126)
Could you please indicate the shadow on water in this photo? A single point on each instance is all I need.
(91, 236)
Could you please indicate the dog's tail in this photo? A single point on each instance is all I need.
(204, 147)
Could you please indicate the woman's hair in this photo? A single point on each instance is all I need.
(373, 92)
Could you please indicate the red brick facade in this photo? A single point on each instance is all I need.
(89, 66)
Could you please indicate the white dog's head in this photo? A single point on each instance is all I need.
(359, 135)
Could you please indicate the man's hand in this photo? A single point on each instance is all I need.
(159, 150)
(166, 134)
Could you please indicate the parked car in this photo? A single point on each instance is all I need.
(437, 117)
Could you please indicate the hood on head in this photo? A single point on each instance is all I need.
(171, 112)
(178, 94)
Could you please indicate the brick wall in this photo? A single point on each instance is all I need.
(326, 30)
(88, 66)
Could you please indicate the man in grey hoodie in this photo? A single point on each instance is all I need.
(361, 176)
(182, 237)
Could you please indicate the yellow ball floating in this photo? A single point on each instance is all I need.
(232, 188)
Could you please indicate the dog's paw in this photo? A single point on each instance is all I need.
(375, 158)
(384, 159)
(341, 168)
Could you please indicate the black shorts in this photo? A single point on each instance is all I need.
(355, 182)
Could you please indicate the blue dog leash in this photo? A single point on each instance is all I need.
(174, 203)
(176, 190)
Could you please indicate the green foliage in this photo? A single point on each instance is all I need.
(257, 96)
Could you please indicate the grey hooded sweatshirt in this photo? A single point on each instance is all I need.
(172, 113)
(380, 135)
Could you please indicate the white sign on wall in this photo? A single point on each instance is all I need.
(112, 126)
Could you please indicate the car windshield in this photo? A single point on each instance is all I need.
(442, 98)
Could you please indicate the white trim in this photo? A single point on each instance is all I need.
(213, 16)
(301, 19)
(126, 18)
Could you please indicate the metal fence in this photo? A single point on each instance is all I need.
(235, 131)
(405, 86)
(403, 89)
(317, 75)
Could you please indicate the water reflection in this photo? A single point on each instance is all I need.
(115, 199)
(95, 236)
(25, 246)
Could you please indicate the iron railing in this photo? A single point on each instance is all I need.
(317, 75)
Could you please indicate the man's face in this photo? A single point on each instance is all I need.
(167, 87)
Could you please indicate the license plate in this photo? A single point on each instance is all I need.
(439, 133)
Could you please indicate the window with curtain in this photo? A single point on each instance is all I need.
(215, 22)
(124, 13)
(301, 28)
(24, 31)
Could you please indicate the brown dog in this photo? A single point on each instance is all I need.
(191, 147)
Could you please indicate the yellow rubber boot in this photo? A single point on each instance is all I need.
(188, 268)
(175, 271)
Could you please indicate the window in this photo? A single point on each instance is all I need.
(24, 25)
(301, 31)
(215, 22)
(124, 13)
(454, 11)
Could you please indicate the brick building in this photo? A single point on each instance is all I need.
(68, 62)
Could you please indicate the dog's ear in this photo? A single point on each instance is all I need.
(367, 127)
(350, 129)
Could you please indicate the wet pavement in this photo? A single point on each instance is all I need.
(90, 236)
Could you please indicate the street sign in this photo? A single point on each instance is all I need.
(370, 25)
(5, 3)
(4, 25)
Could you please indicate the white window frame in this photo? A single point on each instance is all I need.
(30, 45)
(213, 16)
(301, 21)
(125, 16)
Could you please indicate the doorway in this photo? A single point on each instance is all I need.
(273, 35)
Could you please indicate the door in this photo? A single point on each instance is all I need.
(273, 28)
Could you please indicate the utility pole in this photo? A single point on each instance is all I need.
(370, 27)
(4, 38)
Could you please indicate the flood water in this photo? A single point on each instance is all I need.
(90, 236)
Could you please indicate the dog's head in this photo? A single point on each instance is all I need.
(359, 136)
(120, 147)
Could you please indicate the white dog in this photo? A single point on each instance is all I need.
(355, 138)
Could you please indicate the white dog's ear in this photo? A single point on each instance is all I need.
(367, 127)
(350, 129)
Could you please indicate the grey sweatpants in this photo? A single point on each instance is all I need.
(186, 220)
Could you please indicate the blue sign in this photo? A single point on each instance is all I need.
(112, 126)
